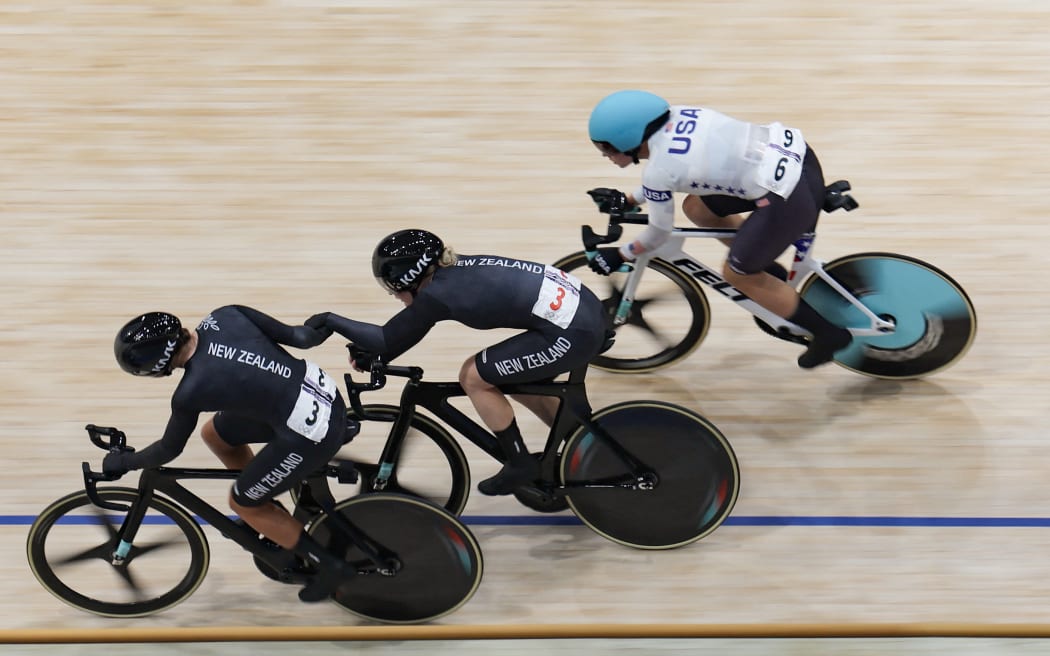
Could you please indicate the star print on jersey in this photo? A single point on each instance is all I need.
(209, 323)
(707, 187)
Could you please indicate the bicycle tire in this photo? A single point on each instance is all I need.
(935, 320)
(697, 469)
(441, 476)
(78, 576)
(661, 329)
(441, 564)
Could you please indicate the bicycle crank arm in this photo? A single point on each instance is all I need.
(645, 483)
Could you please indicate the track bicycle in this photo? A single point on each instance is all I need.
(908, 318)
(645, 474)
(130, 552)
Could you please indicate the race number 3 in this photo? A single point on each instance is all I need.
(558, 298)
(313, 407)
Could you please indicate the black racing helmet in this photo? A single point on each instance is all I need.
(403, 259)
(147, 344)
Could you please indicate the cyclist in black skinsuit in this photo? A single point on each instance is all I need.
(235, 366)
(562, 321)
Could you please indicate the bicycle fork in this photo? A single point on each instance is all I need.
(136, 513)
(125, 535)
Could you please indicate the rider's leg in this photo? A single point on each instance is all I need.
(783, 301)
(765, 289)
(768, 231)
(496, 412)
(271, 520)
(332, 572)
(275, 523)
(285, 461)
(237, 456)
(544, 407)
(232, 456)
(827, 337)
(703, 216)
(700, 214)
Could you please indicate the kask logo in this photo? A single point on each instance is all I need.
(169, 350)
(414, 272)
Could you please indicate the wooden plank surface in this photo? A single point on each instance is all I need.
(158, 156)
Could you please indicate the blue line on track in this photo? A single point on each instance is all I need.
(757, 520)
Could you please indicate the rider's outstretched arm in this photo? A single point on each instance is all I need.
(366, 335)
(167, 448)
(403, 331)
(298, 336)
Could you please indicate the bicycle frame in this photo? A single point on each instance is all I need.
(803, 264)
(573, 411)
(165, 480)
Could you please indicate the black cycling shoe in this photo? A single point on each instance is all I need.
(822, 350)
(285, 566)
(326, 582)
(516, 473)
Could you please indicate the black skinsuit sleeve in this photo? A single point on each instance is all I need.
(303, 337)
(169, 446)
(403, 331)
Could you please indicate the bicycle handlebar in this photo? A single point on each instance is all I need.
(117, 439)
(378, 370)
(591, 239)
(117, 442)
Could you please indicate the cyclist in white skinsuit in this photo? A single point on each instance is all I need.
(727, 167)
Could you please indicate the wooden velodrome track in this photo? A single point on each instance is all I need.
(164, 157)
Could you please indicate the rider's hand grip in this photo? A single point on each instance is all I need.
(362, 359)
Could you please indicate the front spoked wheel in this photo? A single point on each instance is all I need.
(669, 318)
(434, 565)
(431, 464)
(935, 320)
(71, 549)
(695, 475)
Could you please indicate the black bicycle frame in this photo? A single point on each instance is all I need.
(573, 411)
(165, 480)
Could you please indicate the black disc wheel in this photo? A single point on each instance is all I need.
(686, 461)
(432, 566)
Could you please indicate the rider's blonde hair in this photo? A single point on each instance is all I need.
(448, 257)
